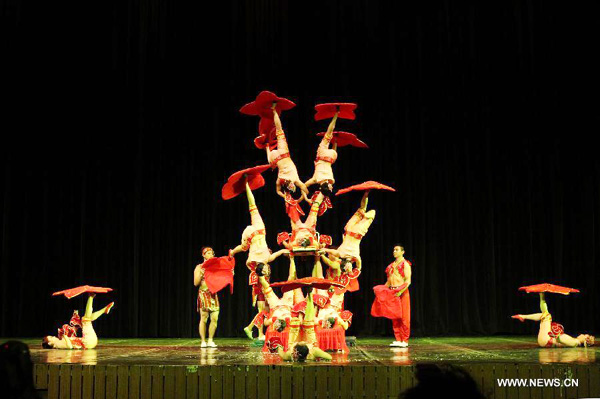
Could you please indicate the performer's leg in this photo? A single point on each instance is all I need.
(405, 321)
(89, 306)
(313, 214)
(282, 145)
(255, 218)
(317, 268)
(532, 317)
(397, 327)
(214, 319)
(543, 305)
(102, 311)
(204, 315)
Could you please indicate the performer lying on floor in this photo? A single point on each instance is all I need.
(303, 349)
(254, 241)
(355, 230)
(67, 335)
(551, 334)
(287, 174)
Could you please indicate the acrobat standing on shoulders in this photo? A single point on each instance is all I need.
(254, 241)
(207, 303)
(68, 334)
(392, 300)
(552, 334)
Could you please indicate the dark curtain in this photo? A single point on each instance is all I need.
(120, 125)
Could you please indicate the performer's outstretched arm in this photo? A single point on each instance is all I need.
(277, 254)
(320, 353)
(332, 264)
(236, 250)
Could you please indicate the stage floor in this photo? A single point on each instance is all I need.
(368, 351)
(179, 368)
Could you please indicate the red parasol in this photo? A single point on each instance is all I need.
(236, 183)
(344, 138)
(261, 142)
(318, 283)
(261, 106)
(73, 292)
(551, 288)
(326, 111)
(266, 127)
(368, 185)
(218, 273)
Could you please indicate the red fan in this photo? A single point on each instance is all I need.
(326, 111)
(344, 138)
(551, 288)
(261, 106)
(318, 283)
(73, 292)
(236, 183)
(218, 273)
(368, 185)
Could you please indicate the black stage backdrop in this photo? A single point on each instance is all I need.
(121, 124)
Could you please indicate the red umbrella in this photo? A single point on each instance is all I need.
(261, 142)
(368, 185)
(236, 183)
(551, 288)
(326, 111)
(218, 273)
(266, 127)
(73, 292)
(318, 283)
(261, 106)
(344, 138)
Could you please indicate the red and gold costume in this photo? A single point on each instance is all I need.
(207, 301)
(355, 229)
(397, 308)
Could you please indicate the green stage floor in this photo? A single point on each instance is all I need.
(368, 351)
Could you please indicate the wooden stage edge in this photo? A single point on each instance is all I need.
(179, 368)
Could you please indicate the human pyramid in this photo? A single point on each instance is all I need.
(297, 326)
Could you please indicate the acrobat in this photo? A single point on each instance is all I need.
(287, 174)
(552, 334)
(67, 334)
(326, 157)
(254, 241)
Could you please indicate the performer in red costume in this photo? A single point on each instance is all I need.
(302, 342)
(354, 231)
(326, 157)
(304, 234)
(207, 303)
(287, 174)
(254, 241)
(67, 334)
(393, 300)
(551, 334)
